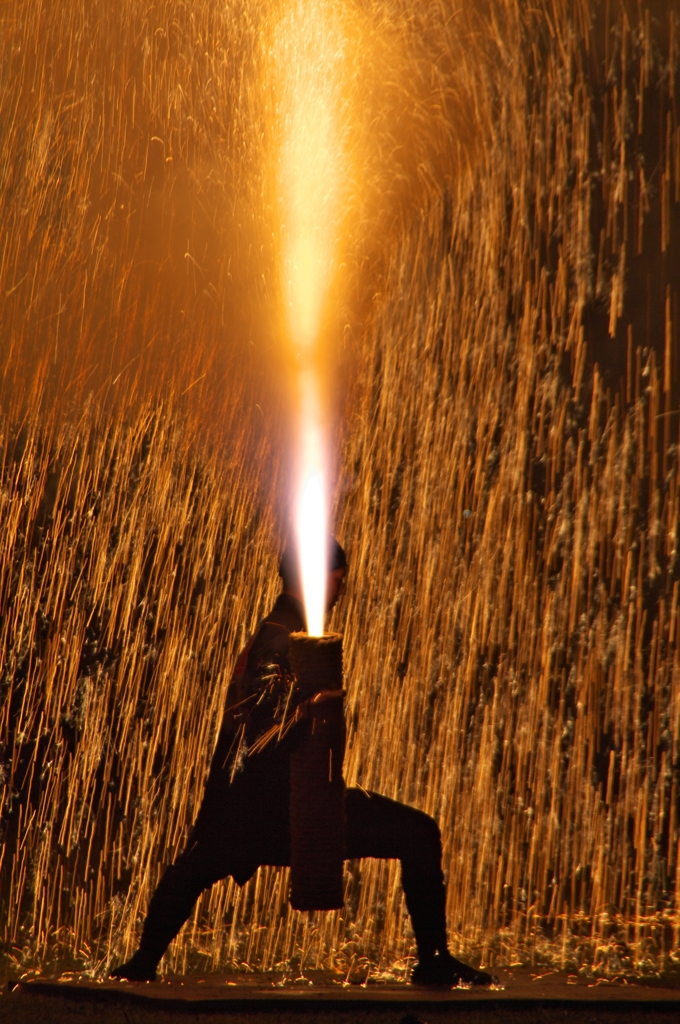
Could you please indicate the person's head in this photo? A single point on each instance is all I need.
(289, 571)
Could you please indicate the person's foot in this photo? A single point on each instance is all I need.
(136, 969)
(444, 971)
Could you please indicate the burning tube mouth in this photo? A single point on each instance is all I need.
(317, 786)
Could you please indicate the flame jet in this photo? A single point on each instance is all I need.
(308, 58)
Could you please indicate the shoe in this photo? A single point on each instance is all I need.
(444, 971)
(136, 969)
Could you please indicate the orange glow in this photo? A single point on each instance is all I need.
(308, 58)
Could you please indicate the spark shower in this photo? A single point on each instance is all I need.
(508, 490)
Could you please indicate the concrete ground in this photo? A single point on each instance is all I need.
(21, 1008)
(522, 997)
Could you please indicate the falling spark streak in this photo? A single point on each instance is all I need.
(308, 57)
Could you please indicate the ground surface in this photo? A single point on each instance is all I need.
(522, 996)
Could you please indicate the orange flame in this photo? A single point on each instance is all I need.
(308, 56)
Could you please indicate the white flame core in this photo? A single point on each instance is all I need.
(313, 551)
(311, 514)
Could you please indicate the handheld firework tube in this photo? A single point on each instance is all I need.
(317, 788)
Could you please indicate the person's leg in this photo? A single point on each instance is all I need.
(171, 904)
(379, 827)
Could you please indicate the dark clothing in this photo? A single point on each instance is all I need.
(376, 827)
(248, 790)
(244, 822)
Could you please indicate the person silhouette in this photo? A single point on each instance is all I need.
(243, 821)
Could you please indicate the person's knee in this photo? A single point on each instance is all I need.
(189, 875)
(424, 843)
(431, 836)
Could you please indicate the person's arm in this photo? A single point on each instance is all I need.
(272, 695)
(276, 707)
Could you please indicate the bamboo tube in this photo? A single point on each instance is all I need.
(317, 787)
